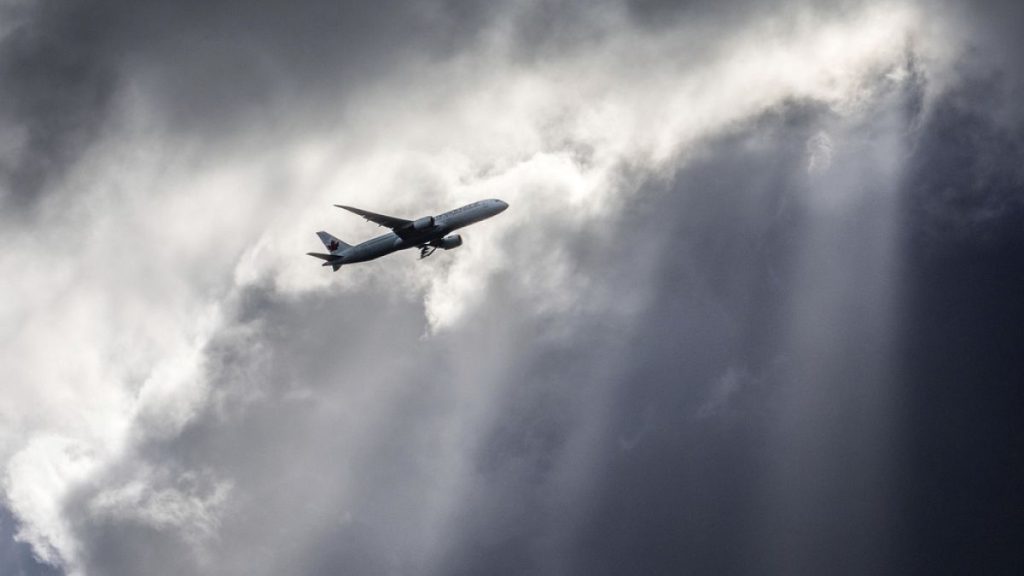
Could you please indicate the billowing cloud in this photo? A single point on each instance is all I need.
(681, 348)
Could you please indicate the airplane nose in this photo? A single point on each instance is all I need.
(502, 205)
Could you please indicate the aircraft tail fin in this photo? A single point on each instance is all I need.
(332, 243)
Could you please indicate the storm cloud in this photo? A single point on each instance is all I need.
(754, 307)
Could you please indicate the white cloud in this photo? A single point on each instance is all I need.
(38, 478)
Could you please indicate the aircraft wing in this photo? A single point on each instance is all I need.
(379, 219)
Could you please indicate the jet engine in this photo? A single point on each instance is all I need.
(425, 223)
(449, 242)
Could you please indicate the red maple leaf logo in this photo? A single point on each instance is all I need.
(333, 245)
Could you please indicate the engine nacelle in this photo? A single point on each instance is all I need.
(449, 242)
(425, 223)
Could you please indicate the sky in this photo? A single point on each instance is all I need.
(755, 306)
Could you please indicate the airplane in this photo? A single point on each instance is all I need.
(427, 233)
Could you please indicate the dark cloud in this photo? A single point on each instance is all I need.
(58, 76)
(669, 484)
(211, 68)
(967, 183)
(230, 62)
(961, 464)
(791, 394)
(994, 47)
(960, 374)
(961, 440)
(675, 489)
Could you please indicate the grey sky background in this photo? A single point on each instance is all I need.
(755, 306)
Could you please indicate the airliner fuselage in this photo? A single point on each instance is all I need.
(427, 233)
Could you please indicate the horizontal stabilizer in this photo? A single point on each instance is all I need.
(329, 257)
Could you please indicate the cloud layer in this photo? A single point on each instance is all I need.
(697, 341)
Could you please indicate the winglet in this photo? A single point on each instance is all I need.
(352, 210)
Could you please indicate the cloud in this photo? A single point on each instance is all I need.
(691, 191)
(58, 87)
(193, 509)
(16, 557)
